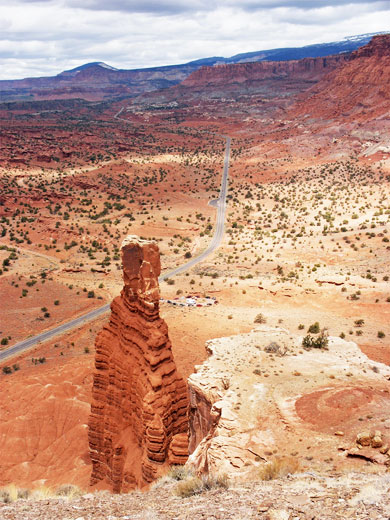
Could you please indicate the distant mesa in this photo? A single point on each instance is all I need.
(98, 81)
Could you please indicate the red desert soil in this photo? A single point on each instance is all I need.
(44, 413)
(31, 314)
(340, 407)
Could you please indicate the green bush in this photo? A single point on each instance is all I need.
(320, 341)
(314, 328)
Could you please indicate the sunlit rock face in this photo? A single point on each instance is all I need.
(138, 422)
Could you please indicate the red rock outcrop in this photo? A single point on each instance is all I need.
(307, 68)
(138, 422)
(357, 90)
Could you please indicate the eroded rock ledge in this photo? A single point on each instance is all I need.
(261, 396)
(138, 421)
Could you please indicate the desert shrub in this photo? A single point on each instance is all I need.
(23, 493)
(11, 493)
(196, 485)
(189, 487)
(260, 318)
(320, 341)
(5, 496)
(68, 490)
(41, 493)
(278, 468)
(314, 328)
(272, 348)
(179, 473)
(380, 335)
(7, 370)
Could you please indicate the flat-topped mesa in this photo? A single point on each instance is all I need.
(138, 421)
(309, 69)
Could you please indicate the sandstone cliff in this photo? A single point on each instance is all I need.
(357, 90)
(310, 69)
(138, 419)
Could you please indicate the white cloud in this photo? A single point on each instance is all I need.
(46, 37)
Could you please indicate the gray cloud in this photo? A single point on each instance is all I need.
(47, 36)
(172, 7)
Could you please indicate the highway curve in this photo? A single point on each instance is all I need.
(214, 244)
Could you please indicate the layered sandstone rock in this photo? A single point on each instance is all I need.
(355, 91)
(310, 69)
(138, 419)
(260, 396)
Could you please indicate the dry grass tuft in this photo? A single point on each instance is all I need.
(69, 491)
(197, 485)
(278, 468)
(179, 473)
(11, 493)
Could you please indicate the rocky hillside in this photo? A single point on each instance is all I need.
(357, 90)
(302, 496)
(94, 82)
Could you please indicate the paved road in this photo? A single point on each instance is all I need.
(216, 240)
(219, 225)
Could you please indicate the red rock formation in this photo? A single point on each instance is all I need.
(138, 422)
(308, 68)
(357, 90)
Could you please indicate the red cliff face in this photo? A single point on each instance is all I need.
(138, 422)
(308, 68)
(379, 46)
(357, 90)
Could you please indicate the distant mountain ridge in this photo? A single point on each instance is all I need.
(98, 81)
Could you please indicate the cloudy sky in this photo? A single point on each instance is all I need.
(47, 36)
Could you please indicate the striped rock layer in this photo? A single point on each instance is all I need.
(138, 422)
